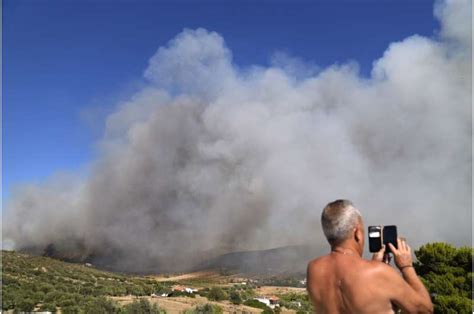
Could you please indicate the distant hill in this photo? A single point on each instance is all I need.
(284, 260)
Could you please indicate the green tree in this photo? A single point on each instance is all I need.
(235, 297)
(25, 305)
(67, 301)
(135, 290)
(446, 272)
(46, 288)
(101, 305)
(452, 304)
(216, 294)
(53, 296)
(118, 290)
(247, 293)
(8, 301)
(48, 307)
(71, 309)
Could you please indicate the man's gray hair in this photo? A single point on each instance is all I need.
(339, 218)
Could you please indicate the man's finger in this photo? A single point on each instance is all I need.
(386, 258)
(392, 248)
(382, 249)
(400, 244)
(404, 242)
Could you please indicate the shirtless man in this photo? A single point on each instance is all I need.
(343, 282)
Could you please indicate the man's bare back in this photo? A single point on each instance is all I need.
(346, 283)
(343, 282)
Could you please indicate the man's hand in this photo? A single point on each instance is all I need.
(418, 302)
(378, 256)
(381, 256)
(402, 254)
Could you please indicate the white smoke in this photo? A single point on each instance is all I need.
(209, 157)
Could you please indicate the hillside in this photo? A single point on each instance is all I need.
(288, 260)
(36, 280)
(42, 283)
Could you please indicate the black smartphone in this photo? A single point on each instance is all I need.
(390, 236)
(375, 238)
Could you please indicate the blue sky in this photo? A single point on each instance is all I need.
(64, 60)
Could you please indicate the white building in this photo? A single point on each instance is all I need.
(264, 301)
(190, 290)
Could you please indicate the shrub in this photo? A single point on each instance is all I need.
(25, 305)
(100, 305)
(205, 309)
(148, 289)
(235, 297)
(181, 294)
(52, 296)
(71, 309)
(67, 302)
(296, 301)
(158, 288)
(247, 294)
(216, 294)
(135, 290)
(7, 300)
(142, 306)
(46, 288)
(48, 307)
(86, 289)
(118, 290)
(258, 305)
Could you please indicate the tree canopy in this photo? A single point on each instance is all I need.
(446, 272)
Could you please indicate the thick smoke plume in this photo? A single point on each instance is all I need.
(211, 158)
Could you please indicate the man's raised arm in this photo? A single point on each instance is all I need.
(409, 293)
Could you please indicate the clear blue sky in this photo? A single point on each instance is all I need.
(61, 58)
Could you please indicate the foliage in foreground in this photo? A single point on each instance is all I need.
(41, 283)
(446, 272)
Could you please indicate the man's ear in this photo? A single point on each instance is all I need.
(358, 234)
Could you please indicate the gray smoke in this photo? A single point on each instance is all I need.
(210, 158)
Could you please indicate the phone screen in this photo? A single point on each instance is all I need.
(390, 236)
(375, 238)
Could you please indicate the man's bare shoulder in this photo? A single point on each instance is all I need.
(367, 267)
(378, 269)
(318, 262)
(319, 267)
